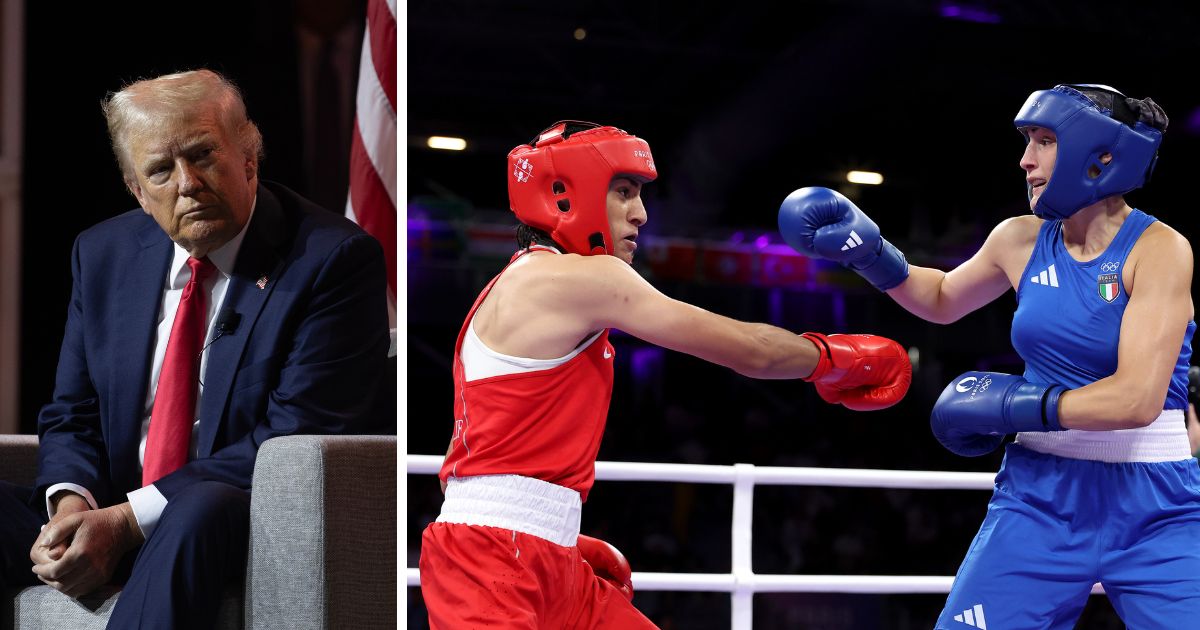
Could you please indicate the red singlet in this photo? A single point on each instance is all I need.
(545, 424)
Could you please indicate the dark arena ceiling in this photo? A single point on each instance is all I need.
(744, 102)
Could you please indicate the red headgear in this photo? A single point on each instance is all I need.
(558, 183)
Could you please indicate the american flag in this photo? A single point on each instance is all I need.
(372, 199)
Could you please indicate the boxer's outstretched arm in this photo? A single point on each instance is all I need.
(822, 223)
(588, 293)
(604, 292)
(943, 297)
(1152, 329)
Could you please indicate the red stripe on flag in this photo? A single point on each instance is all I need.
(373, 209)
(382, 25)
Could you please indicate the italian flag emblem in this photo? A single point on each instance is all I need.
(1109, 288)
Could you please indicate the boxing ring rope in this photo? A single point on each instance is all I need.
(743, 583)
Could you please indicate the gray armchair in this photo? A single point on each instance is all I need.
(322, 541)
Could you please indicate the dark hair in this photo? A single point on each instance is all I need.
(527, 235)
(1125, 109)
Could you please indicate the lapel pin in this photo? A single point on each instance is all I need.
(262, 283)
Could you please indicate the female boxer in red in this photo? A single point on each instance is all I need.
(533, 376)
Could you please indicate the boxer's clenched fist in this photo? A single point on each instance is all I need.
(608, 563)
(822, 223)
(861, 372)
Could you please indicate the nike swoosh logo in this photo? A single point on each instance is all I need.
(607, 354)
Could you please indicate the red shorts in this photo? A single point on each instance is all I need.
(474, 576)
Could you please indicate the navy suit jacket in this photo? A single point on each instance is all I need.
(306, 356)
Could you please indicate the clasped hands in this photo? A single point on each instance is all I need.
(78, 550)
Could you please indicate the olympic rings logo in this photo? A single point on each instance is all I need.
(1110, 266)
(973, 384)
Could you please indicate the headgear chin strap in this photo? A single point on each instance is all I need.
(1089, 121)
(558, 183)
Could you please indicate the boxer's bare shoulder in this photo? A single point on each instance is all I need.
(567, 281)
(1010, 244)
(1016, 232)
(535, 310)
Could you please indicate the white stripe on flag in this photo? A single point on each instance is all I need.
(373, 182)
(376, 120)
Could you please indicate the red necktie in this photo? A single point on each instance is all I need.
(174, 410)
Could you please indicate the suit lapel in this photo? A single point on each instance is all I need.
(139, 295)
(254, 276)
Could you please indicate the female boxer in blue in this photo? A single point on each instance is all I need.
(1100, 485)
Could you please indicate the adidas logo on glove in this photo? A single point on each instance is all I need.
(1047, 277)
(973, 616)
(854, 241)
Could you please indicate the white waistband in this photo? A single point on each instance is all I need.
(1164, 440)
(523, 504)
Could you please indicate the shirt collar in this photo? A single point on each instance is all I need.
(223, 257)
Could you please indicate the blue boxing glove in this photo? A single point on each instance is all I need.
(822, 223)
(977, 409)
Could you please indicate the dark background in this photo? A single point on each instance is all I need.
(743, 103)
(70, 181)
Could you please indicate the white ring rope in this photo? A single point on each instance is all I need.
(742, 583)
(764, 475)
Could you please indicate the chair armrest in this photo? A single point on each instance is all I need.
(323, 533)
(18, 459)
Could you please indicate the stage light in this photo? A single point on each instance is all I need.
(969, 13)
(864, 177)
(447, 143)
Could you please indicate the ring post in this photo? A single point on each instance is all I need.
(743, 526)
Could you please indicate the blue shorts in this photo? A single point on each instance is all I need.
(1055, 526)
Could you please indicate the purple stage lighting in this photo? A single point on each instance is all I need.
(967, 13)
(646, 363)
(1192, 126)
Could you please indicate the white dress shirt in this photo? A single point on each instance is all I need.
(147, 502)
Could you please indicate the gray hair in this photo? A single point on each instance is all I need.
(140, 106)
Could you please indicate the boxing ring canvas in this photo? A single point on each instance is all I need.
(742, 583)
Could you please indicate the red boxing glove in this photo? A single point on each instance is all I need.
(861, 372)
(608, 563)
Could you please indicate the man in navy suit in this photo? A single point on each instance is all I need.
(222, 313)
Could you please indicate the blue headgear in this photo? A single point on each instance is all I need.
(1090, 120)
